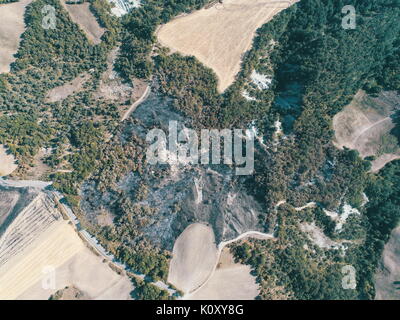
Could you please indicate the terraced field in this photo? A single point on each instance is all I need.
(38, 241)
(29, 224)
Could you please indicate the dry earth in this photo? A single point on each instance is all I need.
(365, 126)
(81, 15)
(11, 27)
(387, 280)
(7, 162)
(230, 281)
(194, 257)
(202, 271)
(67, 89)
(41, 253)
(220, 35)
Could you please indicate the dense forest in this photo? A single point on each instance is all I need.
(285, 270)
(327, 65)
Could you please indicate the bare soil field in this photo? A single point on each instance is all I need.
(64, 91)
(86, 272)
(81, 15)
(219, 36)
(11, 27)
(7, 162)
(230, 281)
(194, 257)
(203, 271)
(40, 253)
(111, 86)
(365, 126)
(387, 279)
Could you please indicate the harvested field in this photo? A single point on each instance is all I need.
(231, 281)
(138, 101)
(202, 271)
(365, 126)
(11, 28)
(219, 36)
(64, 91)
(11, 202)
(387, 279)
(38, 241)
(7, 162)
(82, 16)
(194, 257)
(86, 272)
(383, 160)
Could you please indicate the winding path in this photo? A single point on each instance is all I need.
(365, 130)
(248, 234)
(221, 246)
(139, 101)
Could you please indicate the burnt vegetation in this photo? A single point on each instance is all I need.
(316, 63)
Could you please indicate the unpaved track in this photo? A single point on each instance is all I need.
(248, 234)
(25, 183)
(196, 257)
(364, 123)
(136, 104)
(365, 130)
(221, 246)
(230, 281)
